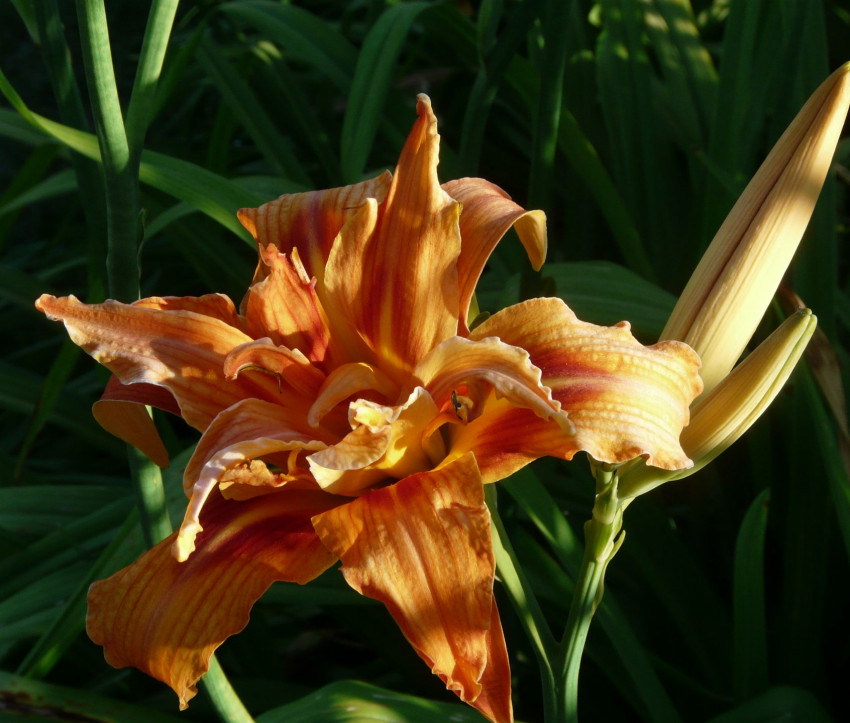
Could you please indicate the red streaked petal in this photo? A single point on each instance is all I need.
(141, 393)
(458, 361)
(247, 430)
(166, 617)
(180, 350)
(309, 221)
(285, 308)
(400, 279)
(495, 699)
(347, 279)
(423, 548)
(625, 400)
(488, 212)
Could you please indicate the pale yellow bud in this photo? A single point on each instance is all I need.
(720, 417)
(734, 282)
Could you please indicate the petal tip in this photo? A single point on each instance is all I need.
(423, 104)
(43, 301)
(248, 218)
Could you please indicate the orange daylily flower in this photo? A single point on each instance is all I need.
(348, 413)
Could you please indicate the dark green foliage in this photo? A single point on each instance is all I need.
(729, 598)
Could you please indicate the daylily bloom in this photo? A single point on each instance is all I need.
(736, 279)
(349, 413)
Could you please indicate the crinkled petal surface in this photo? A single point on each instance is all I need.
(423, 548)
(216, 306)
(625, 400)
(179, 349)
(507, 368)
(166, 617)
(488, 212)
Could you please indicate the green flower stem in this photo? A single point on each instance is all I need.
(150, 497)
(228, 706)
(72, 113)
(154, 45)
(122, 213)
(602, 540)
(121, 172)
(527, 608)
(122, 183)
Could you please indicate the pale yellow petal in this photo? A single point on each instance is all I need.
(733, 284)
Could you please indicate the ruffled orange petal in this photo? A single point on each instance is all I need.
(396, 267)
(488, 212)
(180, 350)
(423, 548)
(345, 468)
(285, 308)
(625, 400)
(309, 221)
(458, 361)
(166, 617)
(248, 430)
(121, 412)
